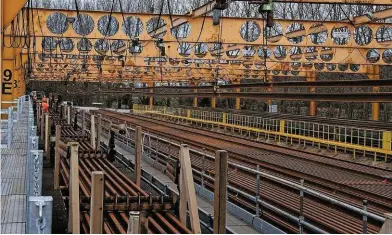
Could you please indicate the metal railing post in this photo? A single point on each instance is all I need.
(83, 121)
(203, 169)
(32, 145)
(36, 160)
(69, 115)
(134, 222)
(10, 126)
(33, 131)
(364, 217)
(138, 155)
(92, 132)
(39, 218)
(34, 167)
(257, 196)
(301, 208)
(18, 109)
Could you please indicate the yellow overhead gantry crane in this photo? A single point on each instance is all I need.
(8, 10)
(12, 86)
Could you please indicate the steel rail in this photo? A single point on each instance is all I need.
(278, 180)
(116, 183)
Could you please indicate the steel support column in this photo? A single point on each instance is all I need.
(151, 99)
(213, 102)
(237, 99)
(311, 77)
(195, 99)
(374, 74)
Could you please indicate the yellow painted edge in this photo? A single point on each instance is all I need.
(310, 139)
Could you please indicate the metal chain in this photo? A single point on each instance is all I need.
(41, 221)
(36, 174)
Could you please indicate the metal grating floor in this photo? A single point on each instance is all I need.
(13, 177)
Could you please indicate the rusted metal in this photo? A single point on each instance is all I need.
(343, 178)
(120, 195)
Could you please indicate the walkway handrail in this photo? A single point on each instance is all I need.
(38, 207)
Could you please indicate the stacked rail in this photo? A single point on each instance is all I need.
(121, 195)
(343, 181)
(340, 135)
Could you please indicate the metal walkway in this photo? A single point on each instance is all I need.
(234, 224)
(13, 178)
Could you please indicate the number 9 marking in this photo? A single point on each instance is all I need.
(7, 75)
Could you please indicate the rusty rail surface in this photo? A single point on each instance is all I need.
(344, 181)
(121, 194)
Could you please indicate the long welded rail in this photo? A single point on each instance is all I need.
(333, 175)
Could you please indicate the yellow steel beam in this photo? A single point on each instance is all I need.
(10, 8)
(231, 36)
(208, 7)
(287, 54)
(368, 54)
(8, 76)
(203, 64)
(354, 2)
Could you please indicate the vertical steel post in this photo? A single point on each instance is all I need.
(83, 121)
(92, 132)
(42, 125)
(257, 197)
(99, 130)
(138, 155)
(57, 158)
(75, 120)
(38, 116)
(39, 218)
(36, 160)
(301, 208)
(203, 168)
(69, 115)
(18, 109)
(34, 169)
(32, 144)
(47, 135)
(134, 222)
(33, 131)
(364, 217)
(10, 126)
